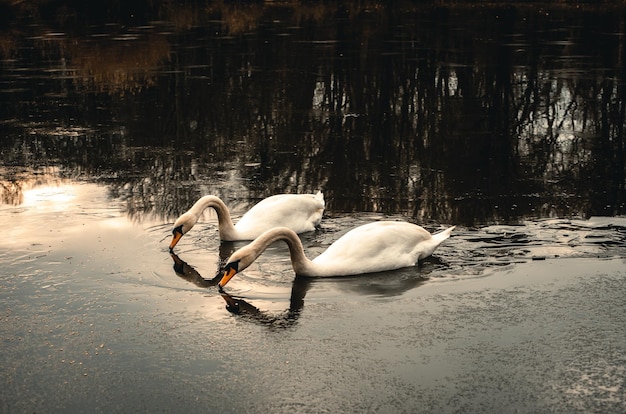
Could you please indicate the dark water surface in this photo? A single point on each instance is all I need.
(507, 122)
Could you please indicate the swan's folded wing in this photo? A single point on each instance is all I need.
(374, 247)
(299, 212)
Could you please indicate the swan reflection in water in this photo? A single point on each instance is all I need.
(239, 306)
(287, 318)
(190, 274)
(382, 284)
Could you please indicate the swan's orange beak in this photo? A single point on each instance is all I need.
(175, 238)
(228, 274)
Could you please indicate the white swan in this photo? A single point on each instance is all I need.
(299, 212)
(373, 247)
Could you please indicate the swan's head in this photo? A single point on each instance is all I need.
(181, 227)
(237, 262)
(246, 255)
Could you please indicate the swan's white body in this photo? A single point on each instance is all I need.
(298, 212)
(373, 247)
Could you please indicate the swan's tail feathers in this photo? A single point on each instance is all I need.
(442, 235)
(319, 195)
(320, 206)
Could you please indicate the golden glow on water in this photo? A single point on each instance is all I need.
(50, 198)
(20, 188)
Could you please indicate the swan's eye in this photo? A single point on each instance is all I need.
(178, 229)
(232, 265)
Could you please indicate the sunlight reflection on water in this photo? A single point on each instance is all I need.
(54, 198)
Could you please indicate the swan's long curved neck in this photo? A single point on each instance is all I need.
(301, 264)
(226, 227)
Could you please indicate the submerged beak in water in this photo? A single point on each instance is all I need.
(229, 272)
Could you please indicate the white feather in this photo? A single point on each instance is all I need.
(298, 212)
(373, 247)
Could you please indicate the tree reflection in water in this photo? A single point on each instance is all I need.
(450, 114)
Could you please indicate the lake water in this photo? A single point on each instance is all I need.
(506, 122)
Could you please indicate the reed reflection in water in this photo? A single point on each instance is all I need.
(444, 115)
